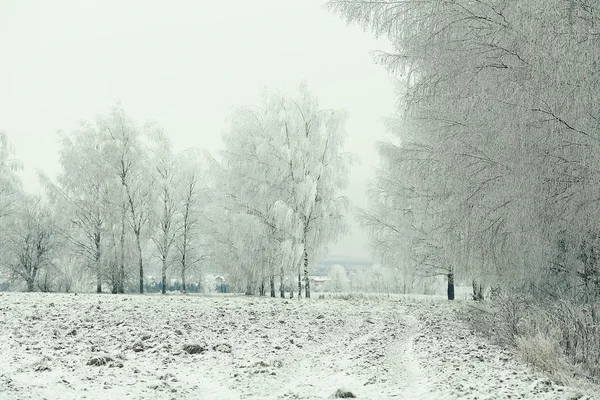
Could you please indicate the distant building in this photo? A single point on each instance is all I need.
(317, 283)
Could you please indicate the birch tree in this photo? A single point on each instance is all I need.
(83, 192)
(317, 170)
(498, 105)
(168, 194)
(285, 168)
(190, 216)
(128, 159)
(251, 180)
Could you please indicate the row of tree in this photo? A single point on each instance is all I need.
(493, 172)
(492, 177)
(263, 210)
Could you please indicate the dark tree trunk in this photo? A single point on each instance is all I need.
(98, 282)
(30, 285)
(261, 288)
(272, 283)
(164, 276)
(121, 270)
(97, 239)
(306, 278)
(140, 261)
(299, 285)
(183, 258)
(281, 285)
(450, 286)
(477, 291)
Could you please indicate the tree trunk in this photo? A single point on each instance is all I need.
(30, 284)
(121, 268)
(477, 291)
(262, 288)
(272, 283)
(97, 238)
(306, 278)
(450, 286)
(140, 261)
(184, 254)
(249, 290)
(299, 285)
(98, 279)
(282, 285)
(183, 289)
(164, 275)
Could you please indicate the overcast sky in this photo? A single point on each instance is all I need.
(185, 64)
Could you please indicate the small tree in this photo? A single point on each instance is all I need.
(191, 221)
(33, 242)
(338, 279)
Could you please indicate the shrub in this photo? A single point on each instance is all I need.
(560, 337)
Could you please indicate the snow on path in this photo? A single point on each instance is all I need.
(253, 348)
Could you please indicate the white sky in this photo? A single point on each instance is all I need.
(185, 64)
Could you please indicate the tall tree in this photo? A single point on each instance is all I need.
(194, 199)
(83, 192)
(284, 167)
(317, 172)
(497, 139)
(168, 193)
(128, 158)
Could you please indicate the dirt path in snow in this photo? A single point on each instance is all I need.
(251, 348)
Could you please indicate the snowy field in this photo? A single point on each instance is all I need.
(66, 346)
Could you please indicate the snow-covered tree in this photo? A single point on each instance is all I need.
(167, 186)
(317, 171)
(496, 137)
(128, 159)
(10, 183)
(284, 167)
(338, 279)
(10, 194)
(32, 241)
(191, 213)
(83, 193)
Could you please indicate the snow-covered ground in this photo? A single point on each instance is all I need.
(85, 346)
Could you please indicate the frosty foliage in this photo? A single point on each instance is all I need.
(31, 243)
(280, 178)
(497, 133)
(493, 172)
(338, 279)
(121, 200)
(124, 200)
(10, 184)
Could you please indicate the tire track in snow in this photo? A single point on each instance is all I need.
(406, 366)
